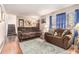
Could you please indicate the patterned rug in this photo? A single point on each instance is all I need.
(39, 46)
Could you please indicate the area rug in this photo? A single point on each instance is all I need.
(39, 46)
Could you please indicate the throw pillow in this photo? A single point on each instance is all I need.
(55, 34)
(51, 32)
(64, 33)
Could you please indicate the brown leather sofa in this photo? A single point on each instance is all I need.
(28, 32)
(58, 40)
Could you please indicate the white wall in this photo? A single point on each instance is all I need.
(2, 27)
(11, 19)
(2, 32)
(0, 13)
(32, 19)
(69, 12)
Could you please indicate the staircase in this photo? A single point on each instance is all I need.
(11, 30)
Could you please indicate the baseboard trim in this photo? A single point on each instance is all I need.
(2, 45)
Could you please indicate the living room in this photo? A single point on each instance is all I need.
(39, 28)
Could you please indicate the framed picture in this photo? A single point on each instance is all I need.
(21, 22)
(2, 15)
(43, 20)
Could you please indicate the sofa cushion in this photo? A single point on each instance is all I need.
(64, 33)
(51, 33)
(59, 31)
(55, 34)
(68, 32)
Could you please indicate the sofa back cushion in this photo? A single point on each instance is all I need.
(59, 31)
(64, 33)
(28, 29)
(35, 29)
(68, 32)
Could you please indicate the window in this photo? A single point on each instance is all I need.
(61, 20)
(76, 20)
(50, 22)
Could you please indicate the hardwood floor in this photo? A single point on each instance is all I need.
(73, 50)
(12, 46)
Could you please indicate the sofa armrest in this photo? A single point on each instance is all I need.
(19, 34)
(47, 33)
(66, 39)
(68, 36)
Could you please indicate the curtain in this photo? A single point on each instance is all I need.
(75, 32)
(61, 20)
(50, 22)
(76, 20)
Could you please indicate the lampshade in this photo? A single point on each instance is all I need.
(77, 26)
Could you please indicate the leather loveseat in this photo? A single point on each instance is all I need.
(57, 39)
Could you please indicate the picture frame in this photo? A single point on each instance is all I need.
(21, 22)
(43, 20)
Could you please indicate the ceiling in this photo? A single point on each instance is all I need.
(33, 9)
